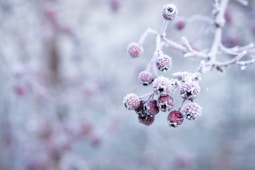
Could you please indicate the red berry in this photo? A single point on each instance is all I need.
(180, 25)
(140, 110)
(175, 118)
(19, 90)
(151, 107)
(146, 120)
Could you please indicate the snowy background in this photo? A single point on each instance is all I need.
(64, 71)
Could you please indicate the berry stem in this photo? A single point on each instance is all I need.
(164, 27)
(147, 95)
(183, 101)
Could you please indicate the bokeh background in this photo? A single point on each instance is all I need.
(64, 71)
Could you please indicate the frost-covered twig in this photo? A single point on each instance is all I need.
(164, 88)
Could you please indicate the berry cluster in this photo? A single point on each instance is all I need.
(187, 84)
(162, 99)
(163, 89)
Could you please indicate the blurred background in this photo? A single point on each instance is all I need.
(64, 71)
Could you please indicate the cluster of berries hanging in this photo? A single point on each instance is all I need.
(161, 99)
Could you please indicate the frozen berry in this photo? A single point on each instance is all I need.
(191, 111)
(169, 11)
(146, 120)
(145, 78)
(131, 101)
(163, 62)
(161, 86)
(134, 49)
(190, 91)
(165, 103)
(151, 107)
(175, 118)
(141, 109)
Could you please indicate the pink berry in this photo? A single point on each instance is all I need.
(175, 118)
(165, 103)
(228, 16)
(231, 41)
(163, 62)
(191, 110)
(95, 141)
(145, 78)
(134, 49)
(162, 86)
(151, 107)
(115, 5)
(131, 101)
(146, 120)
(189, 91)
(85, 129)
(19, 90)
(169, 11)
(180, 25)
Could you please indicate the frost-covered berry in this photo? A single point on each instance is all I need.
(145, 78)
(146, 120)
(165, 103)
(175, 118)
(131, 101)
(134, 49)
(189, 91)
(151, 107)
(162, 86)
(169, 11)
(163, 62)
(140, 110)
(191, 111)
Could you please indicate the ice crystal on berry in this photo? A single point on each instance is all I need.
(145, 78)
(161, 86)
(164, 62)
(169, 11)
(189, 91)
(134, 49)
(131, 101)
(191, 111)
